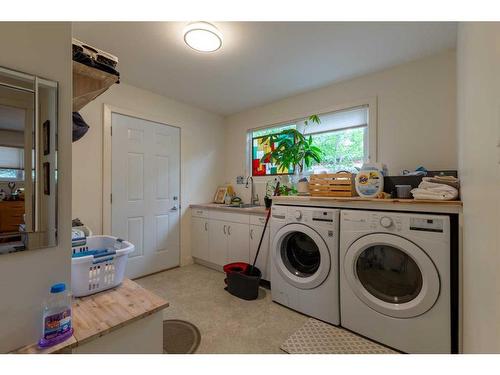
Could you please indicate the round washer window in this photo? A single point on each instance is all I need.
(300, 254)
(389, 274)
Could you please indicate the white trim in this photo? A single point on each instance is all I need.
(372, 129)
(108, 110)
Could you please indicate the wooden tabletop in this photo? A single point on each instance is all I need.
(99, 314)
(257, 210)
(410, 205)
(360, 199)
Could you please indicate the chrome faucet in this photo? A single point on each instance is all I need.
(253, 200)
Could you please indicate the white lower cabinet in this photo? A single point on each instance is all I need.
(228, 242)
(199, 238)
(263, 261)
(217, 242)
(238, 243)
(219, 238)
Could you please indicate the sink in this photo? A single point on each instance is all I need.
(246, 205)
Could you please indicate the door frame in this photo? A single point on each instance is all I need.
(108, 110)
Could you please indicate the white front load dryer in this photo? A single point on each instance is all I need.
(304, 260)
(395, 283)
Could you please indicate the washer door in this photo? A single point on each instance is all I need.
(301, 256)
(392, 275)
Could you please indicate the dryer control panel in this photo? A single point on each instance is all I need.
(315, 217)
(426, 224)
(377, 221)
(321, 217)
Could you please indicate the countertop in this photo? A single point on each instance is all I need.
(99, 314)
(259, 210)
(372, 203)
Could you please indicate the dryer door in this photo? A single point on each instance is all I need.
(301, 256)
(391, 275)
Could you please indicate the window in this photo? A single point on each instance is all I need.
(261, 146)
(343, 138)
(341, 135)
(11, 164)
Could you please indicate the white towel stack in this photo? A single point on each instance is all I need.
(437, 188)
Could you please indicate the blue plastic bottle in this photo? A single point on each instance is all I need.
(56, 317)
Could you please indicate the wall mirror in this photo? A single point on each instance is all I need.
(28, 162)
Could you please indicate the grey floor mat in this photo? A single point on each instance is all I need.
(316, 337)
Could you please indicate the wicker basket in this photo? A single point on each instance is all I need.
(332, 185)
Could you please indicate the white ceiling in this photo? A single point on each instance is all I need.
(259, 61)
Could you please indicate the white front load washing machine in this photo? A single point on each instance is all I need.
(304, 260)
(395, 279)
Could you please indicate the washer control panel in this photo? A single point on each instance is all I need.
(312, 216)
(426, 224)
(376, 221)
(384, 221)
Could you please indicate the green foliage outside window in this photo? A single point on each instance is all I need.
(342, 149)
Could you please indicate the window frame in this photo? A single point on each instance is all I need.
(371, 152)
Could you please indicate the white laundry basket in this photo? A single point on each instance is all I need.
(100, 265)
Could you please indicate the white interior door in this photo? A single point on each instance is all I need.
(145, 192)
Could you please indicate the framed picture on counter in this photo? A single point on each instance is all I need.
(220, 194)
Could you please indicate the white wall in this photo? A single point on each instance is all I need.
(42, 49)
(416, 115)
(478, 70)
(202, 154)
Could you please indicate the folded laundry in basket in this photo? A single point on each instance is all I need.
(435, 191)
(78, 237)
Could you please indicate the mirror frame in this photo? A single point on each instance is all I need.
(45, 181)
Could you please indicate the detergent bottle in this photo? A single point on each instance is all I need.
(369, 181)
(56, 317)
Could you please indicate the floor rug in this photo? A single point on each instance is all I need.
(316, 337)
(180, 337)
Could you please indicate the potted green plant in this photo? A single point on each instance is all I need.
(293, 150)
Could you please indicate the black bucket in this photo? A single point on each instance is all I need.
(244, 285)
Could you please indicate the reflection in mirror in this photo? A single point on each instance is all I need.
(28, 162)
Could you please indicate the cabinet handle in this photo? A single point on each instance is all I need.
(251, 234)
(206, 226)
(224, 229)
(229, 229)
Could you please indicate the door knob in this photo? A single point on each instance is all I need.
(175, 198)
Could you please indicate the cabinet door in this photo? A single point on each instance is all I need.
(263, 261)
(217, 242)
(199, 235)
(238, 245)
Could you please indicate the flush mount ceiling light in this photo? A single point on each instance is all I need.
(203, 37)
